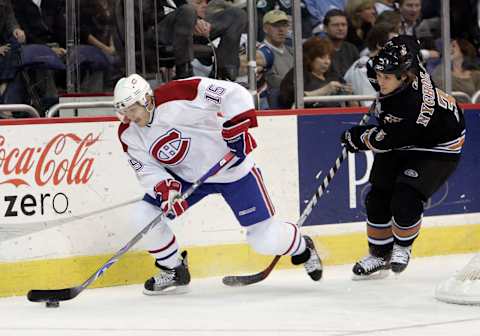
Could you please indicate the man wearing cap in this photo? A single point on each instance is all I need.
(274, 50)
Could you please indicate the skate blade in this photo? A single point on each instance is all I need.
(168, 291)
(382, 274)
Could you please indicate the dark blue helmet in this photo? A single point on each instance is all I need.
(399, 55)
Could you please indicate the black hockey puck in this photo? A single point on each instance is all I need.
(52, 304)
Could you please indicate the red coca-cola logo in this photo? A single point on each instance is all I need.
(64, 159)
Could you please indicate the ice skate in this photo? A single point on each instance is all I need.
(370, 268)
(169, 280)
(400, 258)
(310, 260)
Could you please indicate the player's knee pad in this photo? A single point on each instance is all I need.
(406, 205)
(274, 237)
(377, 204)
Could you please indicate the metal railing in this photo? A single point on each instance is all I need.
(54, 110)
(33, 113)
(337, 98)
(342, 98)
(475, 97)
(460, 94)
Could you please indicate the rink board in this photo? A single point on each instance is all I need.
(344, 203)
(49, 244)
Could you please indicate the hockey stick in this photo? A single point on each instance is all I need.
(55, 295)
(244, 280)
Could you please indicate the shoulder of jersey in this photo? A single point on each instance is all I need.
(186, 89)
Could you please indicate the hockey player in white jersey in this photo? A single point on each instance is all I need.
(171, 137)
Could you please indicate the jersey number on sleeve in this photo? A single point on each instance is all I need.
(214, 93)
(447, 102)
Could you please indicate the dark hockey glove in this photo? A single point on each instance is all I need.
(353, 138)
(238, 139)
(168, 195)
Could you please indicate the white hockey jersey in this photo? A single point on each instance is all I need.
(184, 134)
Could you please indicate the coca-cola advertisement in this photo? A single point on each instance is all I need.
(52, 172)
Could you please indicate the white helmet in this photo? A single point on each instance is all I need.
(129, 91)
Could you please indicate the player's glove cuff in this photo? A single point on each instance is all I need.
(238, 139)
(357, 138)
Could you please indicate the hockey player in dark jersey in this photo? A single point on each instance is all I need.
(417, 145)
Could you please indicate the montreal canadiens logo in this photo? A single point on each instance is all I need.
(170, 149)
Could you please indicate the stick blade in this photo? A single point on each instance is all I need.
(44, 295)
(243, 280)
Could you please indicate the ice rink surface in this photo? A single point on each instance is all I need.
(287, 303)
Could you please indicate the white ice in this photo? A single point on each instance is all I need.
(287, 303)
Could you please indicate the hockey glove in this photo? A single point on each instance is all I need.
(168, 195)
(354, 138)
(238, 139)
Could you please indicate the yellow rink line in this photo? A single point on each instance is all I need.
(17, 278)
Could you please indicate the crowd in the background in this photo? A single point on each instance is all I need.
(208, 38)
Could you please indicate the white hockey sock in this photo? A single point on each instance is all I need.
(301, 248)
(166, 253)
(160, 242)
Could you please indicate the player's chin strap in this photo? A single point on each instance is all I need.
(150, 111)
(243, 280)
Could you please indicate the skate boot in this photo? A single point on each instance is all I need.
(310, 260)
(400, 257)
(169, 280)
(371, 267)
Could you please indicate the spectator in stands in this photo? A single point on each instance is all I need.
(265, 6)
(228, 25)
(464, 20)
(10, 38)
(181, 22)
(274, 50)
(362, 16)
(356, 76)
(336, 27)
(465, 69)
(391, 18)
(410, 11)
(384, 6)
(8, 22)
(317, 77)
(30, 16)
(314, 13)
(99, 61)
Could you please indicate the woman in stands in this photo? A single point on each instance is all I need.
(319, 79)
(465, 69)
(361, 16)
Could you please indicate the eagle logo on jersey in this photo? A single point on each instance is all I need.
(171, 148)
